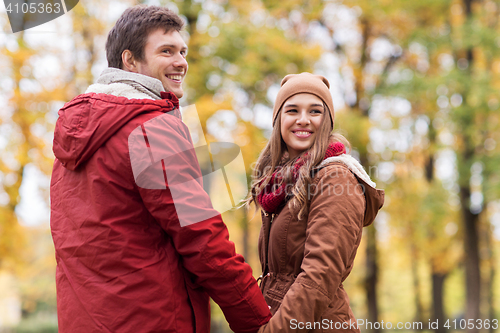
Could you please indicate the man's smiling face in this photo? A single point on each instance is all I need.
(165, 60)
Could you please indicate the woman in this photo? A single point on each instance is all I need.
(315, 200)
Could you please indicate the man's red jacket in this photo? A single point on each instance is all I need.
(124, 261)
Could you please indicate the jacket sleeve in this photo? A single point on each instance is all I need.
(334, 223)
(169, 181)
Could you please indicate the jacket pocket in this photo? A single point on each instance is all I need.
(273, 300)
(275, 289)
(276, 295)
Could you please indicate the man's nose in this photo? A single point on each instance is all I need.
(180, 61)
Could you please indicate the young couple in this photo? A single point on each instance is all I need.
(127, 261)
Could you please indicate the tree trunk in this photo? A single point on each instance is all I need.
(371, 276)
(471, 221)
(438, 278)
(416, 283)
(245, 230)
(491, 279)
(472, 271)
(437, 300)
(491, 301)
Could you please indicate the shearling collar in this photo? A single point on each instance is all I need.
(352, 164)
(117, 82)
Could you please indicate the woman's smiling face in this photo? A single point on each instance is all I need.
(301, 117)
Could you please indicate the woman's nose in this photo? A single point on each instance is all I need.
(303, 118)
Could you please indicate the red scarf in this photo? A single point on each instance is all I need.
(272, 196)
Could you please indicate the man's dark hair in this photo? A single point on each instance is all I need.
(133, 28)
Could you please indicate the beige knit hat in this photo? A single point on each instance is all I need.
(294, 84)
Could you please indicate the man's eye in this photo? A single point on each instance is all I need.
(166, 51)
(184, 53)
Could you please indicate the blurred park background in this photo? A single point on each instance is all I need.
(416, 91)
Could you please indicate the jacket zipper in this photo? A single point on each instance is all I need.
(266, 267)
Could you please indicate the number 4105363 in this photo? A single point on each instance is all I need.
(471, 324)
(33, 8)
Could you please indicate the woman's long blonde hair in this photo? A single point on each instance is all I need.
(275, 156)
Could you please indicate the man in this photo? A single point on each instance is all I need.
(137, 249)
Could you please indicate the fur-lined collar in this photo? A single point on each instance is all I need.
(352, 164)
(117, 82)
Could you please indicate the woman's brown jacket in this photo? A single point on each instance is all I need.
(305, 262)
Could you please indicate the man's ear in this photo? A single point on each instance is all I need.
(129, 63)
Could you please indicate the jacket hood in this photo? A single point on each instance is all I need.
(89, 120)
(374, 197)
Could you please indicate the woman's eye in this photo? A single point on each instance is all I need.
(291, 110)
(317, 111)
